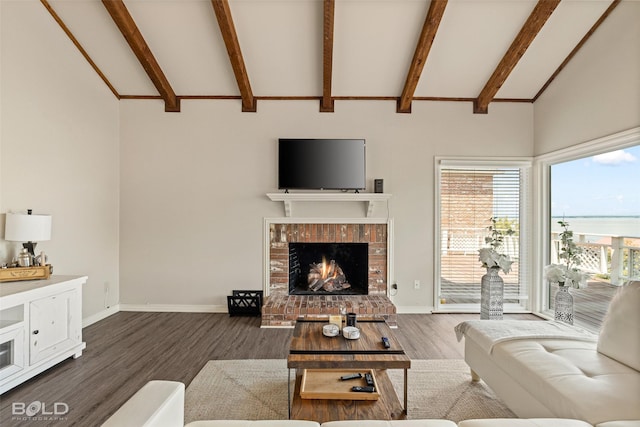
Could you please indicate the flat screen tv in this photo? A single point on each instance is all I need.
(321, 164)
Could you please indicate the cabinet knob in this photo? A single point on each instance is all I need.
(36, 332)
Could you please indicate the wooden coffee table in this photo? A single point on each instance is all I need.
(310, 349)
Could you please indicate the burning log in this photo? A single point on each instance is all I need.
(329, 277)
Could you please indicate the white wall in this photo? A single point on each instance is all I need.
(193, 186)
(59, 149)
(598, 92)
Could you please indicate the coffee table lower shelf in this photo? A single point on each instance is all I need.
(386, 407)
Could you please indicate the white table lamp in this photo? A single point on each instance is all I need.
(28, 229)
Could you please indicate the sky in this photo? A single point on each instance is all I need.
(604, 185)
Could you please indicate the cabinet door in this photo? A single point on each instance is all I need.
(12, 351)
(52, 326)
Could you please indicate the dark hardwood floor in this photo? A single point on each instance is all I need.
(126, 350)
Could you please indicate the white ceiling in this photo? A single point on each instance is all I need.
(374, 42)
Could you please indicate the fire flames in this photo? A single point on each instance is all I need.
(327, 276)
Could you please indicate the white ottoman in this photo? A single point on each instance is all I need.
(530, 422)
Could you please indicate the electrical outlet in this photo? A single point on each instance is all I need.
(416, 284)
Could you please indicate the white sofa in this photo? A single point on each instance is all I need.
(549, 375)
(161, 404)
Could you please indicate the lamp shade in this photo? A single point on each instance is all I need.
(27, 228)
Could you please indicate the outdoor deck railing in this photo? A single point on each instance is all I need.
(617, 257)
(469, 240)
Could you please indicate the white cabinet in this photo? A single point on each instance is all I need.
(40, 326)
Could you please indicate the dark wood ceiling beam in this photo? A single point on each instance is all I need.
(77, 44)
(538, 17)
(575, 50)
(326, 103)
(131, 33)
(428, 34)
(230, 37)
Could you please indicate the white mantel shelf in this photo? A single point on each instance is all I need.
(369, 199)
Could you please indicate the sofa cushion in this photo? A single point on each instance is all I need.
(572, 379)
(392, 423)
(531, 422)
(619, 338)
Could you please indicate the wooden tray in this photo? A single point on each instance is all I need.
(326, 384)
(25, 273)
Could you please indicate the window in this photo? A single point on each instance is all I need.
(469, 195)
(598, 197)
(593, 187)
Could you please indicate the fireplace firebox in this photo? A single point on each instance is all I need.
(328, 268)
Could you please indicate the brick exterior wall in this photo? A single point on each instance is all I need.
(470, 196)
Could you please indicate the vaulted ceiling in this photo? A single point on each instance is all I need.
(407, 51)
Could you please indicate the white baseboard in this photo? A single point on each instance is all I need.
(177, 308)
(192, 308)
(413, 309)
(99, 316)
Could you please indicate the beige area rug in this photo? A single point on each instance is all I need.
(257, 389)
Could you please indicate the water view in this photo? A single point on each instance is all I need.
(594, 226)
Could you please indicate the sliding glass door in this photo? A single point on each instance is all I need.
(470, 196)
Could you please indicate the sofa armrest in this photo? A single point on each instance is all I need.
(156, 404)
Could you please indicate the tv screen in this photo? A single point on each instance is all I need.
(331, 164)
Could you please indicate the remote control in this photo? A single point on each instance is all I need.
(385, 342)
(369, 379)
(350, 377)
(366, 389)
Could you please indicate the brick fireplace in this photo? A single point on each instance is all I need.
(281, 308)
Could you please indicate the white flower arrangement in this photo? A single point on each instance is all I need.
(567, 274)
(490, 257)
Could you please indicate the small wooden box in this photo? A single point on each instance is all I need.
(326, 384)
(25, 273)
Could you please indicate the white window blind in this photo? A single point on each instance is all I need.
(470, 195)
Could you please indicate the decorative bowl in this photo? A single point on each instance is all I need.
(330, 330)
(351, 333)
